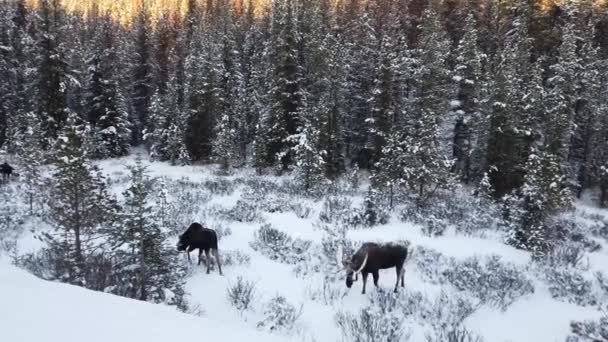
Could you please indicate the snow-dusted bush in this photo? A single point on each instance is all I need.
(259, 187)
(467, 213)
(301, 210)
(328, 293)
(589, 331)
(277, 245)
(569, 285)
(336, 210)
(490, 280)
(446, 311)
(235, 258)
(219, 186)
(279, 315)
(372, 324)
(45, 264)
(441, 314)
(431, 264)
(576, 232)
(180, 203)
(241, 294)
(459, 334)
(567, 255)
(243, 211)
(11, 218)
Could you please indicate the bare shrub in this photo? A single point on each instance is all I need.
(241, 294)
(460, 334)
(235, 258)
(569, 285)
(279, 246)
(372, 325)
(279, 315)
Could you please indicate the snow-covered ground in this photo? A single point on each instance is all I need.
(66, 313)
(36, 310)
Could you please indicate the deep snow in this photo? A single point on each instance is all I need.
(36, 310)
(66, 310)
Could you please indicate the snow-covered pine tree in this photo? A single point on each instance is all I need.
(141, 67)
(226, 144)
(106, 108)
(388, 175)
(5, 71)
(588, 108)
(30, 155)
(202, 100)
(467, 77)
(285, 101)
(52, 70)
(145, 268)
(382, 99)
(509, 138)
(543, 194)
(308, 153)
(562, 93)
(78, 205)
(361, 47)
(165, 134)
(425, 168)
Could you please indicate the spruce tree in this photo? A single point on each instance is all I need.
(52, 71)
(30, 155)
(145, 266)
(543, 194)
(106, 109)
(78, 205)
(308, 153)
(141, 74)
(467, 77)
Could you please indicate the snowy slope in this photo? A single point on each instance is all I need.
(534, 317)
(36, 310)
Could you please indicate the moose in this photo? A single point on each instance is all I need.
(205, 239)
(371, 258)
(6, 170)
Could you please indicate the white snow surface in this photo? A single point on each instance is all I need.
(36, 310)
(62, 312)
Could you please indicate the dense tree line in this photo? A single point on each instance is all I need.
(511, 95)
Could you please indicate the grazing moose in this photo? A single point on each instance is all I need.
(205, 239)
(6, 170)
(371, 258)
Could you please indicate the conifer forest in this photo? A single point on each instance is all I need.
(300, 129)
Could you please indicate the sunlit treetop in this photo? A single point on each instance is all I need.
(125, 10)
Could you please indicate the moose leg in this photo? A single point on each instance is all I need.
(217, 258)
(364, 278)
(188, 250)
(399, 277)
(208, 260)
(403, 277)
(376, 275)
(200, 254)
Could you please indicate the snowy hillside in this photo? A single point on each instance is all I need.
(281, 275)
(37, 310)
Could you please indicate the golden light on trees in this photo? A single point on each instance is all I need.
(124, 10)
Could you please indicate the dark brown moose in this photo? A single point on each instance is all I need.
(205, 239)
(373, 257)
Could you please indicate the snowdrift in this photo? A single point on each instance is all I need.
(33, 310)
